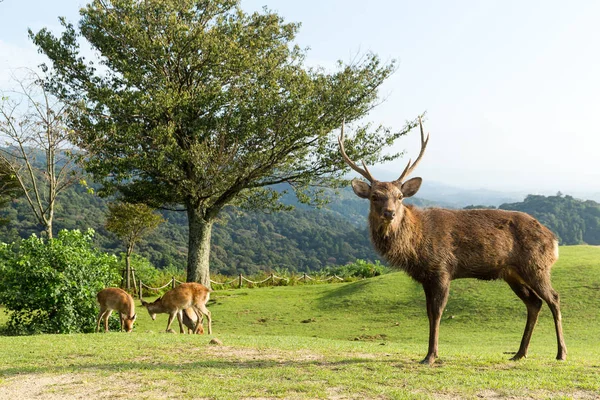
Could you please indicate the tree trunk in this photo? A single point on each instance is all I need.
(198, 247)
(49, 229)
(128, 270)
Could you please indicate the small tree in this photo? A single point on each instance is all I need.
(131, 222)
(36, 151)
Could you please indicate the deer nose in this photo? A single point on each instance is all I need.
(389, 214)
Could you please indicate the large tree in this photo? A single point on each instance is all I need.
(199, 105)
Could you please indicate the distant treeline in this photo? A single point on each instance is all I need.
(573, 221)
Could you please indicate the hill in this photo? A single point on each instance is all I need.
(304, 239)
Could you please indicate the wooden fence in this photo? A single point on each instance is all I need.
(237, 282)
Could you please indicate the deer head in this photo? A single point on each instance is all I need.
(128, 322)
(385, 197)
(152, 307)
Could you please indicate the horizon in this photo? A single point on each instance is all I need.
(510, 88)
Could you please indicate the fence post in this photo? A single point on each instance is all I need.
(240, 281)
(272, 279)
(140, 293)
(304, 277)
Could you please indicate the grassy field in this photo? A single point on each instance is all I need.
(340, 341)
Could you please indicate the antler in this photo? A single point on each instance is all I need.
(364, 172)
(410, 167)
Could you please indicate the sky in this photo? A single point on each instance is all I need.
(511, 88)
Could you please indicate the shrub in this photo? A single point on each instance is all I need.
(50, 286)
(358, 269)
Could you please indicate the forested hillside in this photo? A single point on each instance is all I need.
(573, 221)
(304, 239)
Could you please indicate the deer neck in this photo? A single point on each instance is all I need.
(398, 240)
(157, 307)
(131, 307)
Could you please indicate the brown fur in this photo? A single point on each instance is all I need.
(116, 299)
(435, 246)
(187, 295)
(190, 320)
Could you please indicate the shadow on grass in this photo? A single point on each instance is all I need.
(213, 364)
(386, 294)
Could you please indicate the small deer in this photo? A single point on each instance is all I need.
(187, 295)
(436, 245)
(190, 320)
(116, 299)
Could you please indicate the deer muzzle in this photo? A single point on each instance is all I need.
(388, 215)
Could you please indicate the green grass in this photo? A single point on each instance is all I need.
(349, 340)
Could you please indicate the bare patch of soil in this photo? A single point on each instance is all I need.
(73, 386)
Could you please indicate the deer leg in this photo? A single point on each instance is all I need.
(544, 289)
(100, 315)
(199, 327)
(436, 294)
(171, 316)
(201, 309)
(121, 321)
(106, 317)
(533, 303)
(180, 320)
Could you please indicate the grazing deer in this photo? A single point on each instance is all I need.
(435, 246)
(190, 320)
(116, 299)
(187, 295)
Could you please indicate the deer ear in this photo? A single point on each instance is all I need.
(361, 189)
(411, 186)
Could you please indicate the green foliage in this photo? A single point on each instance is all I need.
(200, 105)
(358, 269)
(50, 286)
(573, 221)
(131, 222)
(150, 275)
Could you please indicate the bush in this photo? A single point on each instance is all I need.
(50, 286)
(358, 269)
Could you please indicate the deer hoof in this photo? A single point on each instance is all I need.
(428, 361)
(518, 356)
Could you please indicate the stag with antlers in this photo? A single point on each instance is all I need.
(436, 245)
